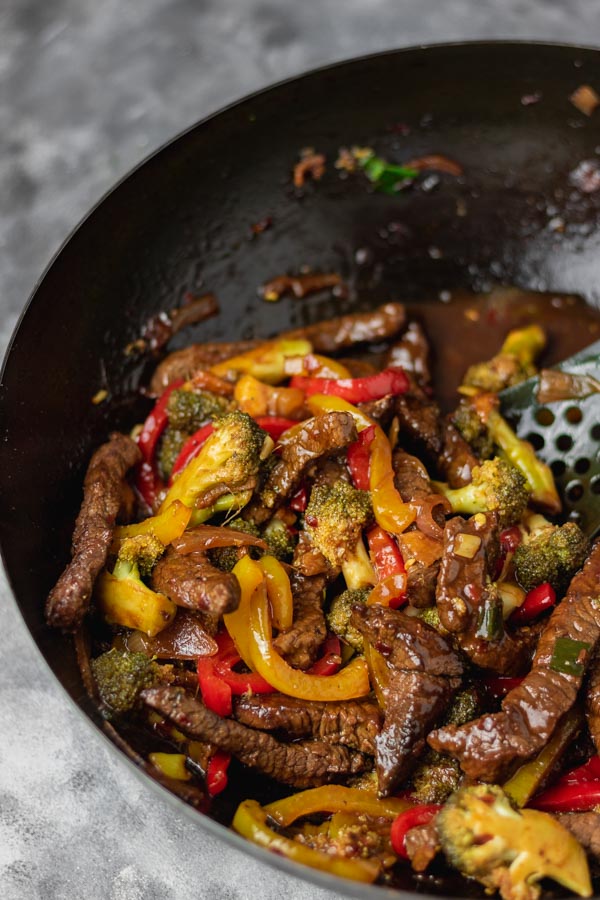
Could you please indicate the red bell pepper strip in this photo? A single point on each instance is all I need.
(385, 553)
(147, 483)
(498, 686)
(358, 457)
(191, 448)
(330, 660)
(216, 772)
(590, 771)
(537, 601)
(355, 390)
(510, 539)
(216, 695)
(221, 669)
(275, 425)
(402, 824)
(156, 423)
(579, 797)
(299, 500)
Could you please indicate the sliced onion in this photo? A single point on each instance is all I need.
(556, 385)
(425, 509)
(207, 537)
(185, 638)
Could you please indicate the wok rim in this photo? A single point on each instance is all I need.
(336, 884)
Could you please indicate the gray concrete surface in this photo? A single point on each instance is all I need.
(87, 89)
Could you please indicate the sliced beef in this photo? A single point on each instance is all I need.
(300, 644)
(419, 417)
(592, 702)
(489, 747)
(381, 411)
(317, 437)
(185, 363)
(412, 353)
(585, 827)
(300, 765)
(104, 492)
(189, 580)
(421, 584)
(456, 460)
(310, 561)
(354, 723)
(422, 845)
(424, 674)
(357, 328)
(468, 601)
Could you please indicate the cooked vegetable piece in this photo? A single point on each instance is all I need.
(514, 363)
(551, 554)
(121, 676)
(340, 613)
(496, 486)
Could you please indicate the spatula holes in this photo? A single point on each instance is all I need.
(582, 465)
(544, 417)
(573, 415)
(595, 433)
(564, 442)
(595, 485)
(574, 492)
(558, 468)
(536, 440)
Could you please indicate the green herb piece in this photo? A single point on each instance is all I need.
(569, 656)
(385, 176)
(490, 625)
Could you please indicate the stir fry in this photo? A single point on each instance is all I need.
(298, 565)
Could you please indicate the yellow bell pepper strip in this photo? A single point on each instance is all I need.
(128, 602)
(279, 592)
(167, 526)
(250, 576)
(250, 821)
(333, 798)
(379, 672)
(350, 682)
(260, 399)
(317, 365)
(267, 362)
(171, 764)
(530, 777)
(390, 512)
(389, 592)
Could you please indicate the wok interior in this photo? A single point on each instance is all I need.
(183, 221)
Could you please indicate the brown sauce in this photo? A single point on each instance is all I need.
(466, 328)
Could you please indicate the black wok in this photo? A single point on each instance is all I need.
(182, 221)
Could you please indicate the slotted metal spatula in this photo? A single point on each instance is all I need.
(565, 433)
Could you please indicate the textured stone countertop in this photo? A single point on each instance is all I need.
(88, 89)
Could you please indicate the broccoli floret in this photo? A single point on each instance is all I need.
(484, 837)
(514, 364)
(522, 455)
(138, 555)
(495, 486)
(552, 553)
(436, 778)
(340, 612)
(473, 430)
(188, 410)
(334, 520)
(279, 540)
(170, 446)
(120, 676)
(431, 616)
(464, 707)
(230, 457)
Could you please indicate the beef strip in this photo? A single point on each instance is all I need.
(300, 643)
(585, 827)
(310, 561)
(356, 328)
(422, 845)
(424, 674)
(412, 481)
(189, 580)
(104, 491)
(456, 460)
(592, 701)
(301, 765)
(419, 418)
(381, 411)
(412, 353)
(490, 746)
(354, 723)
(468, 601)
(186, 362)
(320, 436)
